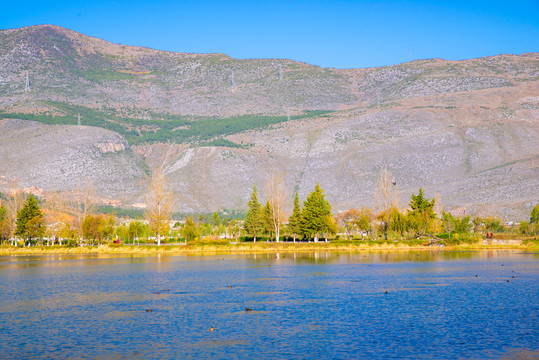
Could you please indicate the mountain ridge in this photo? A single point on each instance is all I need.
(475, 119)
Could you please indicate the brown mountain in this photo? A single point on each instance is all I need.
(465, 130)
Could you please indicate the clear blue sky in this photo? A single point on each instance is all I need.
(336, 33)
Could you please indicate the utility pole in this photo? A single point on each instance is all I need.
(232, 79)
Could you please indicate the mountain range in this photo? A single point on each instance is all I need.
(74, 107)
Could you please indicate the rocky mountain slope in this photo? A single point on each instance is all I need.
(465, 130)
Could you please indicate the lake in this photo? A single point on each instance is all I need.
(438, 305)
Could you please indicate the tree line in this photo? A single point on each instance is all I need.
(77, 221)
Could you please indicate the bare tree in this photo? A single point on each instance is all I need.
(275, 195)
(13, 204)
(386, 198)
(83, 204)
(386, 191)
(159, 201)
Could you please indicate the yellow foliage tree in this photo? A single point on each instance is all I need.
(159, 201)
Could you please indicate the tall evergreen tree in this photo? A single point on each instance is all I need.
(534, 216)
(30, 222)
(316, 213)
(253, 224)
(422, 212)
(267, 219)
(4, 225)
(294, 222)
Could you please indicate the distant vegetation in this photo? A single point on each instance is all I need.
(120, 212)
(223, 143)
(160, 127)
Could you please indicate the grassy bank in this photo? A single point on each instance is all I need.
(245, 248)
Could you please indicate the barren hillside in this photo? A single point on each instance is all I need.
(465, 130)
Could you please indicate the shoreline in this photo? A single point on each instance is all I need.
(259, 248)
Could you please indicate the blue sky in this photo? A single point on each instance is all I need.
(339, 33)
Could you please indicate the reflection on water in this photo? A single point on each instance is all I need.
(401, 304)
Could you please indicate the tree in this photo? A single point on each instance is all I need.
(463, 225)
(30, 222)
(267, 219)
(348, 220)
(13, 204)
(93, 227)
(493, 224)
(399, 223)
(478, 224)
(386, 197)
(316, 213)
(422, 213)
(159, 205)
(84, 203)
(109, 229)
(190, 230)
(216, 219)
(137, 229)
(448, 223)
(4, 225)
(524, 227)
(234, 228)
(534, 216)
(364, 220)
(275, 195)
(253, 224)
(294, 221)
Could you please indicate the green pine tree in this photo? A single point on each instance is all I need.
(534, 216)
(267, 219)
(422, 213)
(4, 226)
(253, 224)
(316, 213)
(294, 222)
(30, 223)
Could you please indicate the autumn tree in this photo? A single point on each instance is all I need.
(275, 196)
(83, 204)
(316, 213)
(30, 224)
(159, 203)
(253, 224)
(348, 220)
(294, 221)
(92, 227)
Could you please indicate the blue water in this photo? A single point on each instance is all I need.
(304, 306)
